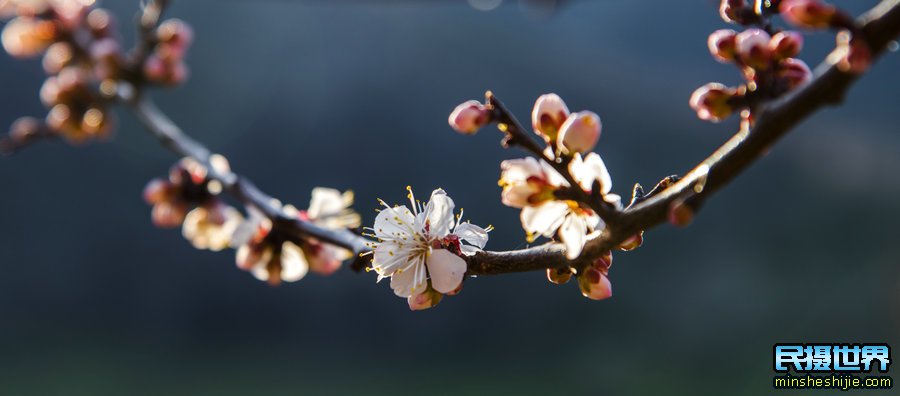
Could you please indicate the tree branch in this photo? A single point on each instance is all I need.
(879, 27)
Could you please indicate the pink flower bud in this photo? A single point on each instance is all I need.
(50, 92)
(633, 242)
(711, 102)
(422, 301)
(580, 132)
(722, 45)
(548, 116)
(809, 14)
(156, 191)
(176, 35)
(594, 284)
(752, 47)
(730, 10)
(559, 276)
(469, 117)
(23, 129)
(786, 44)
(854, 55)
(794, 72)
(58, 56)
(168, 214)
(604, 262)
(26, 37)
(101, 22)
(680, 214)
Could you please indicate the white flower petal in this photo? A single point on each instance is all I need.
(293, 263)
(573, 233)
(390, 256)
(472, 234)
(439, 214)
(325, 202)
(544, 219)
(591, 168)
(469, 250)
(446, 270)
(394, 223)
(410, 280)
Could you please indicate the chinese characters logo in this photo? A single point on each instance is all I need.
(845, 363)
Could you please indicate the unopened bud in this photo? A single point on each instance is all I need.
(633, 242)
(559, 276)
(101, 22)
(580, 132)
(604, 262)
(731, 10)
(176, 35)
(854, 55)
(594, 284)
(794, 72)
(469, 117)
(156, 191)
(24, 128)
(711, 102)
(752, 47)
(680, 214)
(786, 44)
(58, 56)
(809, 14)
(548, 116)
(422, 301)
(26, 37)
(722, 45)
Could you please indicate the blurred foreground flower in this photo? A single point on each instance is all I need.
(274, 256)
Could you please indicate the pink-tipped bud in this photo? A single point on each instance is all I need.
(559, 276)
(101, 22)
(722, 45)
(425, 300)
(548, 116)
(156, 191)
(711, 102)
(176, 35)
(809, 14)
(580, 132)
(168, 214)
(794, 72)
(24, 128)
(469, 117)
(604, 262)
(731, 10)
(786, 44)
(752, 47)
(854, 55)
(26, 37)
(58, 56)
(680, 214)
(50, 92)
(634, 242)
(594, 284)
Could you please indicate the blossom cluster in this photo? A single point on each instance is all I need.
(767, 58)
(540, 186)
(85, 63)
(190, 198)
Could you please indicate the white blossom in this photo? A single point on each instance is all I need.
(424, 243)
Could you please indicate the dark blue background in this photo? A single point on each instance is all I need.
(802, 247)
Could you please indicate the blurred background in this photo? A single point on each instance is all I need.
(355, 94)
